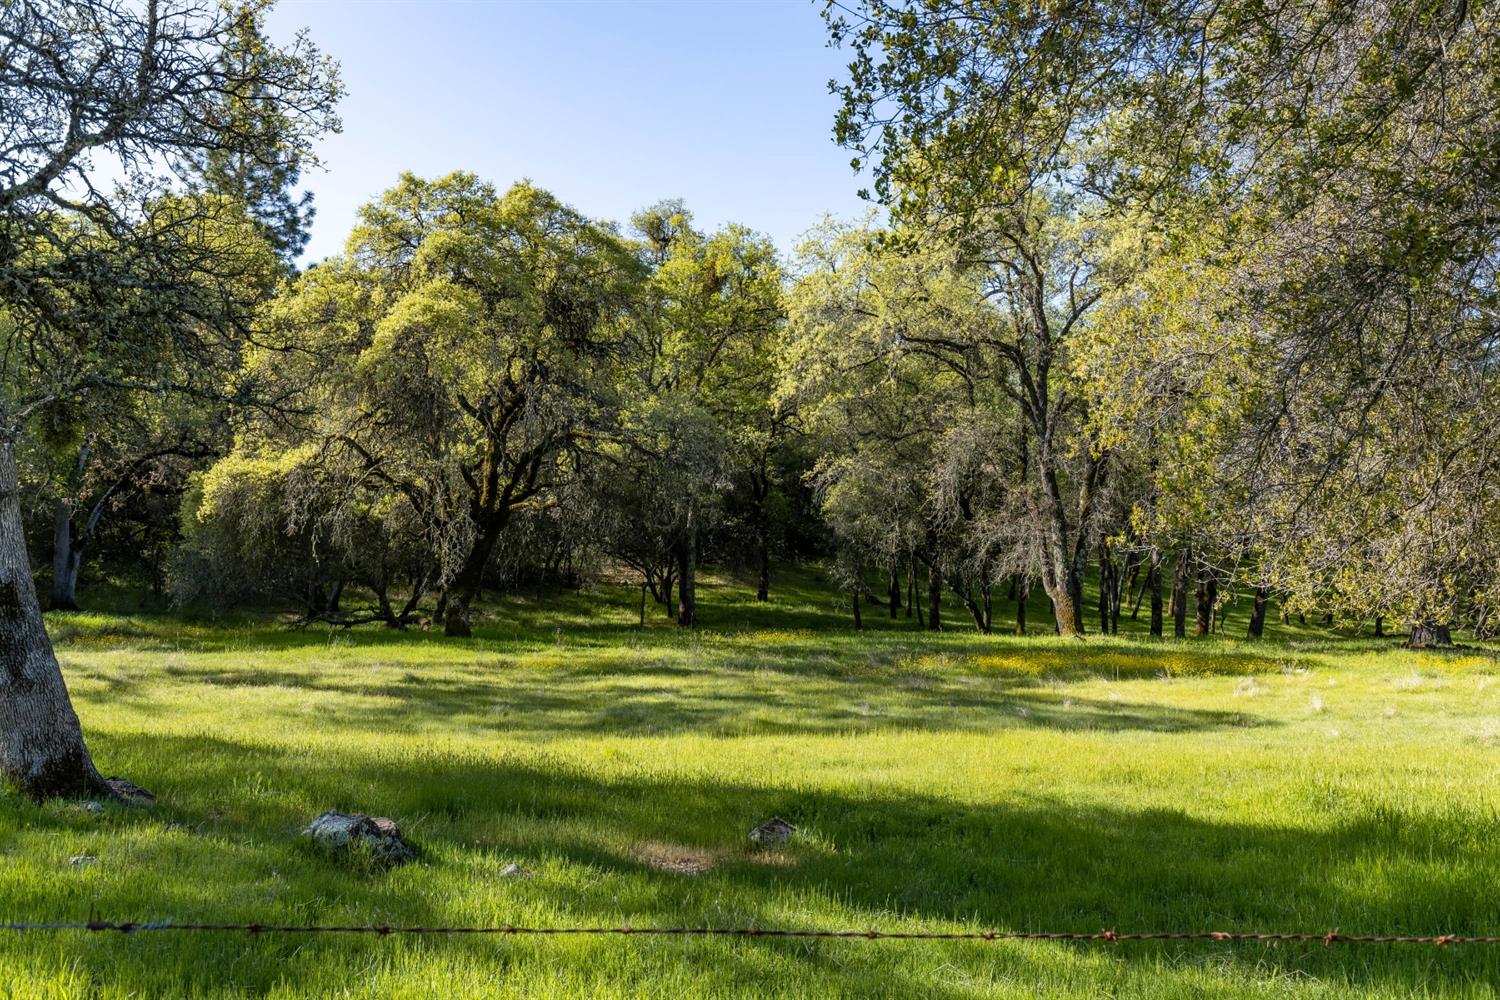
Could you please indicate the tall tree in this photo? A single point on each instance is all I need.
(462, 355)
(699, 389)
(111, 290)
(262, 178)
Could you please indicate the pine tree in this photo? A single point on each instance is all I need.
(265, 182)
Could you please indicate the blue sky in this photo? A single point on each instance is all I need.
(610, 105)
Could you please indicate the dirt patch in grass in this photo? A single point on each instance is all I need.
(678, 859)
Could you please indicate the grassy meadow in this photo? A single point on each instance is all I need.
(954, 781)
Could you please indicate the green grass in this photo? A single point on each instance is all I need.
(947, 781)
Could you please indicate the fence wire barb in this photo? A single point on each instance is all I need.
(1327, 939)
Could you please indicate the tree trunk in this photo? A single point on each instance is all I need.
(1428, 634)
(1140, 593)
(1179, 596)
(1057, 567)
(911, 590)
(934, 594)
(470, 577)
(1106, 589)
(67, 557)
(409, 609)
(859, 622)
(1380, 626)
(760, 519)
(1208, 586)
(1153, 583)
(383, 608)
(1075, 592)
(1022, 593)
(1258, 613)
(763, 585)
(895, 591)
(975, 609)
(41, 743)
(643, 602)
(687, 577)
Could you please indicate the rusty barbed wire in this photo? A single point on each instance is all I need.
(1327, 939)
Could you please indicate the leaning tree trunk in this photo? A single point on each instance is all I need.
(470, 577)
(41, 743)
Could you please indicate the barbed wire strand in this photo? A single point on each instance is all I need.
(385, 930)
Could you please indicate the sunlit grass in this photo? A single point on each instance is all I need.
(940, 782)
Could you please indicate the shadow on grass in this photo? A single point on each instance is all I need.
(885, 857)
(629, 698)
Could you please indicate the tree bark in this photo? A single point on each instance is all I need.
(687, 577)
(760, 490)
(859, 622)
(1258, 613)
(1427, 634)
(934, 594)
(1153, 583)
(1022, 593)
(66, 559)
(895, 591)
(1208, 589)
(1106, 589)
(42, 752)
(464, 589)
(1179, 596)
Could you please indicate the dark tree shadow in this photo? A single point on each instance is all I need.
(885, 856)
(627, 698)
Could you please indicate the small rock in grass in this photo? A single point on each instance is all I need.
(344, 833)
(514, 870)
(773, 832)
(82, 861)
(92, 807)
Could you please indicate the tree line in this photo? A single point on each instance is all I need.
(1195, 298)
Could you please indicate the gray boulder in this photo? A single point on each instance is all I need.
(376, 837)
(774, 832)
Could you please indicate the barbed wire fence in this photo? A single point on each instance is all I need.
(1327, 939)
